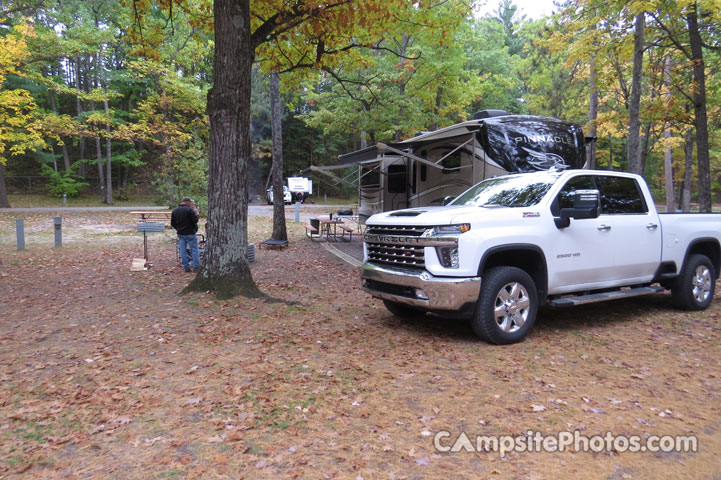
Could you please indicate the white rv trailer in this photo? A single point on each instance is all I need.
(431, 166)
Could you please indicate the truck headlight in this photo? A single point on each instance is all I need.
(452, 229)
(448, 256)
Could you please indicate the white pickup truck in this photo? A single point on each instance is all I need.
(511, 243)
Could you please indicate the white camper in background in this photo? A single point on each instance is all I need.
(300, 188)
(428, 168)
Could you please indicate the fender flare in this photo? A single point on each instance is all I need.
(541, 273)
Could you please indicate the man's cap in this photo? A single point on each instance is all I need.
(187, 200)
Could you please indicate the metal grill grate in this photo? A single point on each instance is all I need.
(399, 254)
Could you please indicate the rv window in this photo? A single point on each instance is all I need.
(414, 181)
(396, 179)
(452, 163)
(370, 177)
(424, 167)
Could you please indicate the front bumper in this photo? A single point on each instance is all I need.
(419, 288)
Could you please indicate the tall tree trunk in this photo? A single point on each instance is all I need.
(668, 174)
(54, 108)
(4, 201)
(437, 109)
(108, 141)
(634, 108)
(108, 165)
(592, 113)
(700, 118)
(101, 173)
(79, 111)
(668, 153)
(610, 152)
(55, 160)
(276, 120)
(98, 144)
(225, 269)
(687, 172)
(402, 84)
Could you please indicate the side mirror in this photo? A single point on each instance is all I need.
(447, 199)
(586, 204)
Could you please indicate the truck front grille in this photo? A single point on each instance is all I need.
(399, 254)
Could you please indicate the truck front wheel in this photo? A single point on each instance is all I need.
(695, 285)
(507, 306)
(401, 310)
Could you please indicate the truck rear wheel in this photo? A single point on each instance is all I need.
(695, 285)
(401, 310)
(507, 306)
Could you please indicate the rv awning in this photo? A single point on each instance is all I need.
(359, 156)
(372, 153)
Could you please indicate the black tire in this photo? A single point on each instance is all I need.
(401, 310)
(695, 285)
(512, 324)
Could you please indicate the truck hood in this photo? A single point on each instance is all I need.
(431, 216)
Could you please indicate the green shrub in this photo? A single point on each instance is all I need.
(63, 183)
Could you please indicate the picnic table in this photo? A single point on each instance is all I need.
(146, 215)
(332, 228)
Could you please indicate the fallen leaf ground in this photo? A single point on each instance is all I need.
(107, 373)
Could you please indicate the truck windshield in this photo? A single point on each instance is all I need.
(509, 191)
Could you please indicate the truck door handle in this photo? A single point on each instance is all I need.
(604, 227)
(652, 226)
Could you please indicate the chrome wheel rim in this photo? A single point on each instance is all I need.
(511, 307)
(701, 283)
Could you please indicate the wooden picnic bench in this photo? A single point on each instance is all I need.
(312, 229)
(346, 230)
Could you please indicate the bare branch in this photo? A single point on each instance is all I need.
(670, 34)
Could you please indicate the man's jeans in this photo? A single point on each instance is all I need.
(189, 241)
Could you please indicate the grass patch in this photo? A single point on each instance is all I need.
(174, 473)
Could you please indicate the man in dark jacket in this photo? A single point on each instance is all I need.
(185, 222)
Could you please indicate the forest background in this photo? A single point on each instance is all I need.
(92, 103)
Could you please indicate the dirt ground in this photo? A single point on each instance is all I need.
(107, 373)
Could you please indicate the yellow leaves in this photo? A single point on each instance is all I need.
(671, 143)
(14, 49)
(18, 130)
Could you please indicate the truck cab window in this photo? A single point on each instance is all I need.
(565, 197)
(620, 195)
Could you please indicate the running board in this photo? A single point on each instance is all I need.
(601, 297)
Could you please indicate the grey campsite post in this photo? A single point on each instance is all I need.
(58, 223)
(20, 231)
